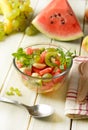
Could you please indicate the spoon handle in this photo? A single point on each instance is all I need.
(6, 100)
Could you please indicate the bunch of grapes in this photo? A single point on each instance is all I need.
(17, 15)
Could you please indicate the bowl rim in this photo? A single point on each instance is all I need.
(56, 76)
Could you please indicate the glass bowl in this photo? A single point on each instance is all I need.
(50, 80)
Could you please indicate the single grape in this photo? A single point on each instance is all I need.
(31, 30)
(15, 24)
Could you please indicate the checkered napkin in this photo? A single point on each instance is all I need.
(72, 108)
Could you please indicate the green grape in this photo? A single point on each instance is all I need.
(2, 33)
(15, 24)
(12, 15)
(31, 30)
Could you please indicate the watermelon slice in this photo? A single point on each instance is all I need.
(58, 21)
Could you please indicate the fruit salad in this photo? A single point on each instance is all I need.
(43, 68)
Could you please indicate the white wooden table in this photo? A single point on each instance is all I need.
(15, 118)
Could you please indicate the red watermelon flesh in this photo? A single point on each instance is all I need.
(58, 21)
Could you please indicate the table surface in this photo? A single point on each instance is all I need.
(16, 118)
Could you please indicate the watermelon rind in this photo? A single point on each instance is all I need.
(61, 38)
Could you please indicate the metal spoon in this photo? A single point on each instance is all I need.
(37, 111)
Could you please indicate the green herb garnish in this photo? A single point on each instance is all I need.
(24, 58)
(65, 58)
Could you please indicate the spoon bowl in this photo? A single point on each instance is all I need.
(37, 111)
(40, 110)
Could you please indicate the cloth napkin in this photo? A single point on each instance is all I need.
(72, 108)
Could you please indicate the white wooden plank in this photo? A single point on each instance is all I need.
(80, 125)
(13, 117)
(39, 38)
(7, 47)
(33, 4)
